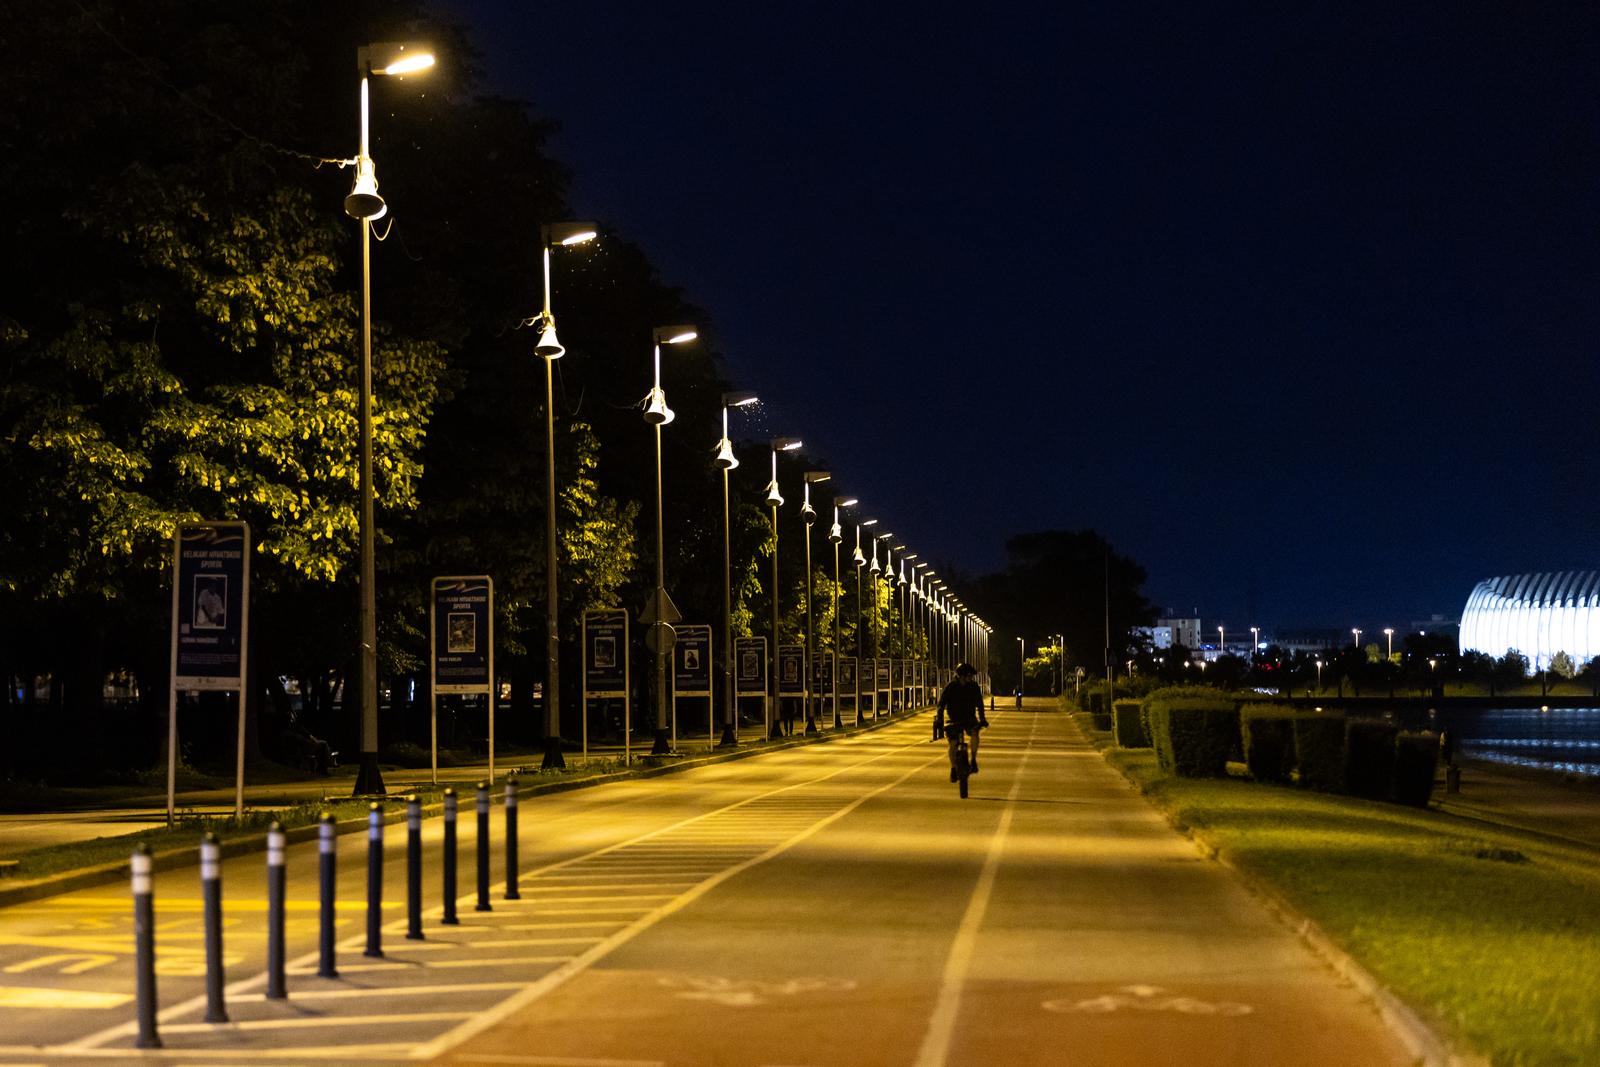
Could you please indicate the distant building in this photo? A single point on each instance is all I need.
(1536, 614)
(1185, 632)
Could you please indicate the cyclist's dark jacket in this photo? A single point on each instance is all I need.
(963, 699)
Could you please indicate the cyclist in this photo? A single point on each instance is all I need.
(963, 699)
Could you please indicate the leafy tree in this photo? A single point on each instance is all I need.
(1561, 664)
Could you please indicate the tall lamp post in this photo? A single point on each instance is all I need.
(876, 570)
(1356, 630)
(775, 501)
(860, 562)
(388, 59)
(553, 235)
(662, 613)
(836, 535)
(1255, 642)
(1022, 667)
(810, 701)
(900, 612)
(727, 461)
(1388, 631)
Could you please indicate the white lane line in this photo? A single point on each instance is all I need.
(499, 961)
(303, 1022)
(388, 991)
(341, 1053)
(514, 942)
(473, 928)
(541, 886)
(941, 1027)
(484, 1020)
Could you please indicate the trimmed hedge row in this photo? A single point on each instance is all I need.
(1195, 731)
(1127, 716)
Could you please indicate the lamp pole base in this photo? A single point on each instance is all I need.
(811, 725)
(369, 780)
(663, 743)
(729, 738)
(553, 758)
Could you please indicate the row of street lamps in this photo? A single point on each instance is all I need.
(961, 633)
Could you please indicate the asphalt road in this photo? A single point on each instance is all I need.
(819, 906)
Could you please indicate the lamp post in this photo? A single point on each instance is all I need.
(1388, 631)
(1255, 642)
(553, 235)
(860, 562)
(809, 699)
(898, 699)
(836, 535)
(1222, 642)
(877, 571)
(1357, 632)
(365, 205)
(775, 501)
(661, 613)
(1319, 676)
(726, 460)
(1022, 667)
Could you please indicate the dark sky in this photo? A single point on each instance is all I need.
(1297, 303)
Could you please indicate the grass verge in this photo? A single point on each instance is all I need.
(1488, 933)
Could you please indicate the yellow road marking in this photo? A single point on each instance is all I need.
(12, 996)
(87, 961)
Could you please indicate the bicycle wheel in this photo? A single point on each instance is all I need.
(962, 773)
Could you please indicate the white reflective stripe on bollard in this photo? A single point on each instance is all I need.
(325, 837)
(210, 861)
(275, 845)
(375, 826)
(142, 883)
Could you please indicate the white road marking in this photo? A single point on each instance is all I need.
(302, 1022)
(941, 1027)
(545, 984)
(387, 991)
(558, 1061)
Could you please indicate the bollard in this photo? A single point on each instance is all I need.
(326, 833)
(483, 847)
(144, 948)
(211, 898)
(511, 840)
(277, 879)
(449, 917)
(413, 868)
(1452, 779)
(374, 881)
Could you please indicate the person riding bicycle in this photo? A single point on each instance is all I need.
(963, 699)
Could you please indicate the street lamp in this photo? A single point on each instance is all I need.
(836, 535)
(1388, 631)
(1022, 667)
(860, 562)
(553, 235)
(727, 461)
(1222, 642)
(1357, 631)
(1255, 642)
(809, 513)
(775, 501)
(1319, 676)
(364, 205)
(661, 613)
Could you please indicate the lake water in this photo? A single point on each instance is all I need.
(1559, 739)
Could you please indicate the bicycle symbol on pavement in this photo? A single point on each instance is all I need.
(748, 993)
(1146, 998)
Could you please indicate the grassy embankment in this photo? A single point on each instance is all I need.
(1489, 933)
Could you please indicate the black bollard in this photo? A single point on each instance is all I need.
(413, 868)
(211, 898)
(449, 917)
(374, 881)
(277, 881)
(483, 847)
(144, 948)
(512, 892)
(325, 837)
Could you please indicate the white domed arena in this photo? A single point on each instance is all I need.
(1536, 614)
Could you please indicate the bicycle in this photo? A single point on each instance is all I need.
(963, 764)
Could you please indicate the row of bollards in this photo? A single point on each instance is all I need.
(277, 888)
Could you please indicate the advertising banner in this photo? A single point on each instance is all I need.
(847, 675)
(605, 653)
(463, 633)
(790, 682)
(881, 667)
(750, 666)
(211, 601)
(691, 661)
(897, 673)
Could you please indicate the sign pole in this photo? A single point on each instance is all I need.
(244, 676)
(583, 709)
(433, 687)
(491, 693)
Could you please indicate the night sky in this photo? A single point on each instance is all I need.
(1296, 303)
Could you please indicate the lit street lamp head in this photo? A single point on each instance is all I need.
(675, 335)
(393, 58)
(568, 233)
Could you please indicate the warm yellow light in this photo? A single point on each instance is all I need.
(680, 338)
(579, 238)
(790, 446)
(409, 64)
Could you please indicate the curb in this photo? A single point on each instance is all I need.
(256, 841)
(1418, 1037)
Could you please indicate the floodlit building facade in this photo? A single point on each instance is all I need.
(1536, 614)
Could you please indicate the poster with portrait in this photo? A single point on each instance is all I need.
(750, 666)
(211, 596)
(605, 653)
(791, 682)
(691, 661)
(463, 633)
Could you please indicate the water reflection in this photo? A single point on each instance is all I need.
(1552, 739)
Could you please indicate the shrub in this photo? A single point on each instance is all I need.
(1172, 692)
(1193, 736)
(1319, 751)
(1369, 758)
(1097, 699)
(1129, 727)
(1268, 736)
(1416, 761)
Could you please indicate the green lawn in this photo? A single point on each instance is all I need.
(1491, 934)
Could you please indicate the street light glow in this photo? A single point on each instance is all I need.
(408, 64)
(739, 400)
(675, 335)
(789, 444)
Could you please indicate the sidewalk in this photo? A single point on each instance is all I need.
(129, 813)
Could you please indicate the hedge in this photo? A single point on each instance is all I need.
(1319, 751)
(1129, 725)
(1173, 692)
(1193, 736)
(1416, 761)
(1369, 758)
(1268, 736)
